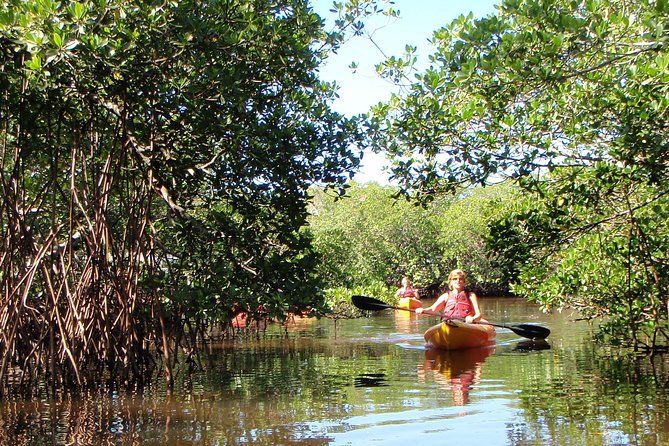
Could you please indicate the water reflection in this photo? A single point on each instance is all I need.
(371, 381)
(532, 345)
(456, 370)
(405, 321)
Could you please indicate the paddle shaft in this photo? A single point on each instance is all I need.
(382, 306)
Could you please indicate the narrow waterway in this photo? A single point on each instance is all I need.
(371, 381)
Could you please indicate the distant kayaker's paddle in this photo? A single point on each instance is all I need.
(524, 330)
(371, 304)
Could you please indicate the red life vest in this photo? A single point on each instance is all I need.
(458, 305)
(409, 292)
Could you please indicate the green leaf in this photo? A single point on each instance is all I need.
(57, 39)
(35, 63)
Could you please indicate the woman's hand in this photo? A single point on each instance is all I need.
(419, 310)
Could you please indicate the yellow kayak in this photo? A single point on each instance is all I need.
(409, 302)
(456, 335)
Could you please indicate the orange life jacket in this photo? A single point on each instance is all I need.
(458, 305)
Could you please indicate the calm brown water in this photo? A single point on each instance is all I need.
(371, 381)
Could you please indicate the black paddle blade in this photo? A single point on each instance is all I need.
(369, 303)
(529, 331)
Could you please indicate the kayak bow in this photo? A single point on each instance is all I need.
(458, 335)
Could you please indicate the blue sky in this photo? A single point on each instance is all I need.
(362, 89)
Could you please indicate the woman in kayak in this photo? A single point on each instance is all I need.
(457, 303)
(406, 290)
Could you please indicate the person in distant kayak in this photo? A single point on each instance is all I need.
(456, 303)
(406, 290)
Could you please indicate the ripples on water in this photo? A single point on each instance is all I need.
(371, 381)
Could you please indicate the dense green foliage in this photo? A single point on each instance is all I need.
(371, 239)
(155, 164)
(570, 99)
(368, 236)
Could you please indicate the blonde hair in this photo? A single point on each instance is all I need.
(456, 273)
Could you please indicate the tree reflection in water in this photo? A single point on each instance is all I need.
(356, 381)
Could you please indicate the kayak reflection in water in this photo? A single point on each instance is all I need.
(456, 370)
(405, 322)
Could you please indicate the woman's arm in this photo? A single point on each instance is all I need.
(435, 306)
(475, 306)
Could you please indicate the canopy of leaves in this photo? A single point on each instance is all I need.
(541, 84)
(155, 164)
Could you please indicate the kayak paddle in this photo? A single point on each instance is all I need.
(524, 330)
